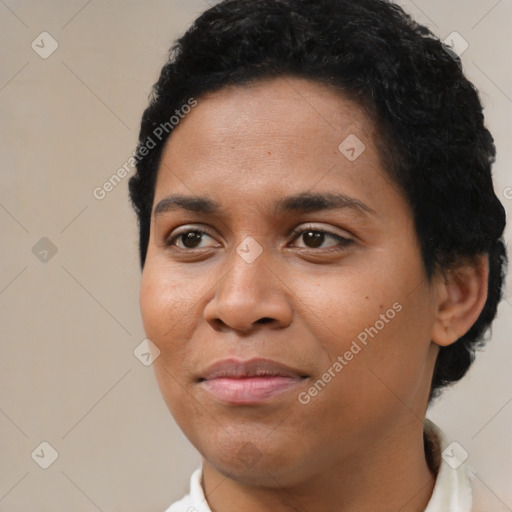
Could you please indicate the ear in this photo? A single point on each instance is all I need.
(462, 293)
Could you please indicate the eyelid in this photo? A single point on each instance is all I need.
(175, 233)
(310, 227)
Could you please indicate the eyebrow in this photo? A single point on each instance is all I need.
(305, 202)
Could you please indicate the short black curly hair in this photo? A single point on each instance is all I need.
(434, 142)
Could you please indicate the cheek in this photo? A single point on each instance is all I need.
(165, 306)
(378, 321)
(340, 304)
(165, 298)
(155, 299)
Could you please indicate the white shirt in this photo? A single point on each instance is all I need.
(454, 487)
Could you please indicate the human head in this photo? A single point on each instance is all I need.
(433, 140)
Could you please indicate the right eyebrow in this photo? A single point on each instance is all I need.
(190, 203)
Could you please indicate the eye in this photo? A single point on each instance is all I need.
(189, 239)
(314, 238)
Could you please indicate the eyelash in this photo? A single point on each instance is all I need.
(342, 241)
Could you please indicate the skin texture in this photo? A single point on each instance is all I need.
(357, 444)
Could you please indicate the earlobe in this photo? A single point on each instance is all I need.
(462, 293)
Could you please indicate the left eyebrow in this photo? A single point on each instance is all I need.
(305, 202)
(311, 202)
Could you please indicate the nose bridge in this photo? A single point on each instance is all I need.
(249, 292)
(248, 272)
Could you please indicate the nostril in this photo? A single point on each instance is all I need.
(265, 320)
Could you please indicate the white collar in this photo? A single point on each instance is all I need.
(452, 490)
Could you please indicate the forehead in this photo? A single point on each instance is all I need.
(283, 134)
(291, 106)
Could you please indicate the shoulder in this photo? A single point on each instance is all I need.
(194, 501)
(183, 505)
(458, 488)
(484, 498)
(452, 489)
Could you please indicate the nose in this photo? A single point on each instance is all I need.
(250, 295)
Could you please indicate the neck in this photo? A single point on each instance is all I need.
(390, 475)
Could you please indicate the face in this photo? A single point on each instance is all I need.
(284, 285)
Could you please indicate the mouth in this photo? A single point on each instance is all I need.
(236, 382)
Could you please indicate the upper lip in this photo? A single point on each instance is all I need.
(258, 367)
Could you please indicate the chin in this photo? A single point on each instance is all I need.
(271, 462)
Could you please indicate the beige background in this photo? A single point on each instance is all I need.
(69, 325)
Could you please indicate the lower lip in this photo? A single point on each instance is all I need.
(249, 390)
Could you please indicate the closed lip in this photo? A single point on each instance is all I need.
(233, 368)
